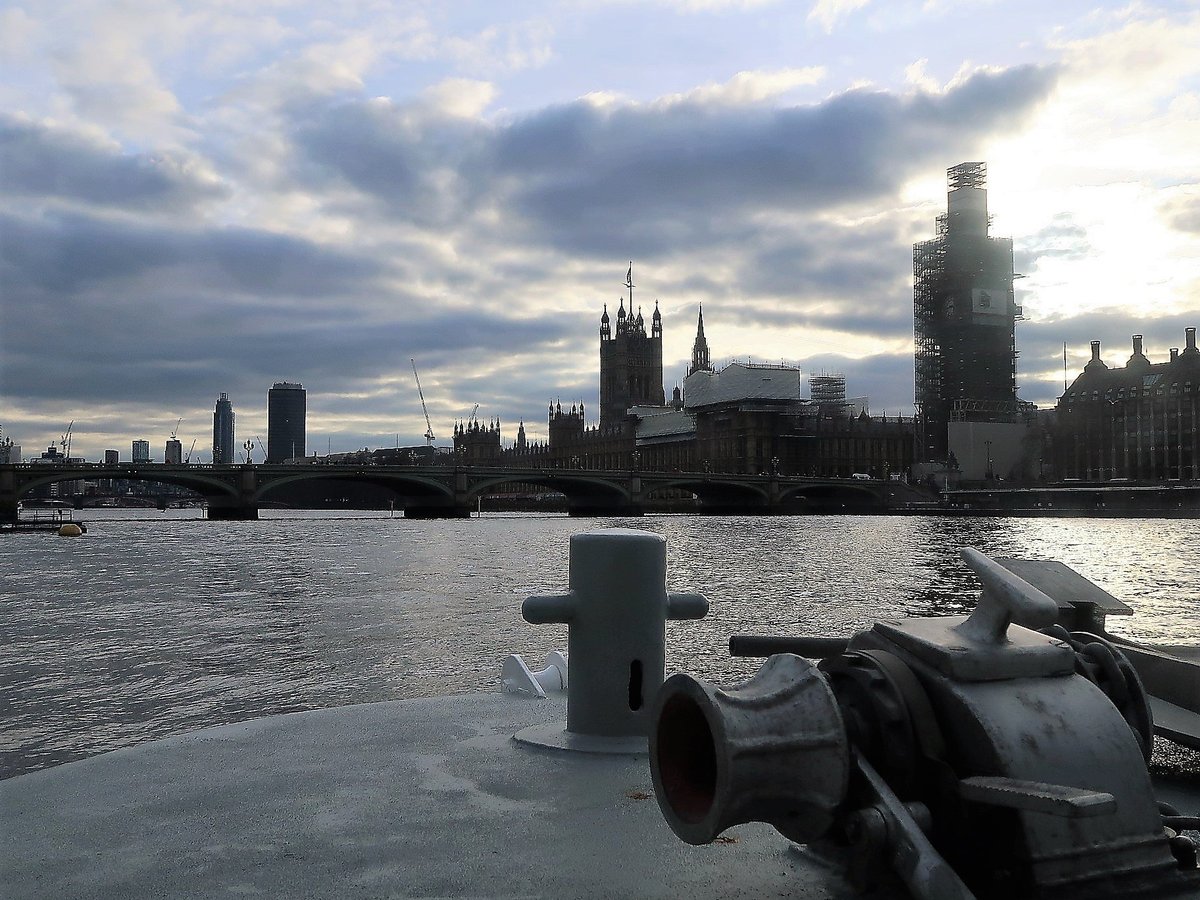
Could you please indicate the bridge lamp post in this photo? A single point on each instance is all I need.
(248, 446)
(774, 465)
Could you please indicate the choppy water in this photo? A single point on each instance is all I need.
(154, 624)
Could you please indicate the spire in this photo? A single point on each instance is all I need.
(700, 357)
(656, 322)
(605, 328)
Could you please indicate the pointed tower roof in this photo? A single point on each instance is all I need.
(701, 361)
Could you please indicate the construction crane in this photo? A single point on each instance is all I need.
(473, 414)
(65, 441)
(187, 459)
(420, 393)
(175, 430)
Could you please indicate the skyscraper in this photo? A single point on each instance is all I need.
(630, 360)
(223, 437)
(286, 404)
(964, 318)
(141, 451)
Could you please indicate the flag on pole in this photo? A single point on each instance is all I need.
(629, 276)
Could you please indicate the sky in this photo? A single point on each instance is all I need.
(206, 196)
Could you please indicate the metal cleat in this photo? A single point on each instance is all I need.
(517, 678)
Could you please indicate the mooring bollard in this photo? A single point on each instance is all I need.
(616, 608)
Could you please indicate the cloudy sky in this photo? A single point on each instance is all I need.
(206, 196)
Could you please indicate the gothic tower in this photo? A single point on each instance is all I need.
(700, 359)
(630, 360)
(964, 314)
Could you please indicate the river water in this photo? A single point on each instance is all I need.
(153, 624)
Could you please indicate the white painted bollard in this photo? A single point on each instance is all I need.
(616, 607)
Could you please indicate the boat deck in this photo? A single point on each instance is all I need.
(417, 798)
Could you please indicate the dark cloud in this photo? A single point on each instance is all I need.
(1063, 238)
(680, 175)
(1183, 213)
(72, 253)
(583, 161)
(597, 180)
(53, 163)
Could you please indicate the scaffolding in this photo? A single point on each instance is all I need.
(964, 315)
(827, 388)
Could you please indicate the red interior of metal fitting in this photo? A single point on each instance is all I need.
(687, 760)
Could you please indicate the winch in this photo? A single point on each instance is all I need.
(968, 755)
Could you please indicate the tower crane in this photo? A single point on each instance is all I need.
(187, 459)
(65, 441)
(428, 425)
(175, 430)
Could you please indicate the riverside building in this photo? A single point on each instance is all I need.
(744, 418)
(286, 410)
(1140, 422)
(223, 432)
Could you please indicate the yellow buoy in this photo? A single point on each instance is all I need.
(70, 529)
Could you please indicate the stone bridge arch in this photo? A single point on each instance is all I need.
(717, 495)
(204, 485)
(415, 486)
(842, 496)
(587, 493)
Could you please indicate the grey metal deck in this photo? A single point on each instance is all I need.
(419, 798)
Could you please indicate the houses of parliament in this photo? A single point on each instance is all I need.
(744, 418)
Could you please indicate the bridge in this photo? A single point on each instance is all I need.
(432, 491)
